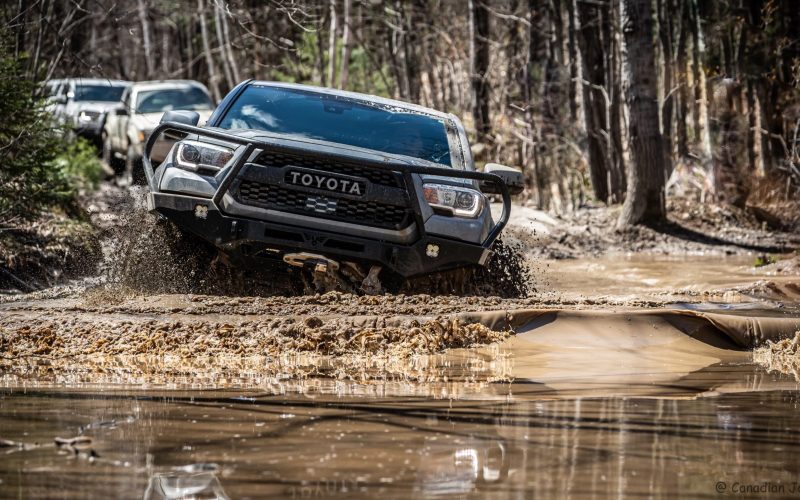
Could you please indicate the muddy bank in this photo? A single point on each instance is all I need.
(692, 229)
(46, 252)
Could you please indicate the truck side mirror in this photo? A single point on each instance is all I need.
(512, 177)
(181, 116)
(121, 111)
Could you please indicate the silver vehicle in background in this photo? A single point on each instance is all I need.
(130, 123)
(81, 104)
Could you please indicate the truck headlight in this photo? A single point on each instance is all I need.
(193, 155)
(460, 201)
(84, 117)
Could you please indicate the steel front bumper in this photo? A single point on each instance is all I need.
(255, 240)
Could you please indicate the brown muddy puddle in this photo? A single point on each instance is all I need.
(728, 422)
(729, 279)
(576, 404)
(594, 397)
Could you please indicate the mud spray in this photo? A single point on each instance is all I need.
(145, 253)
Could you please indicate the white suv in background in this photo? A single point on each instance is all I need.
(81, 104)
(128, 126)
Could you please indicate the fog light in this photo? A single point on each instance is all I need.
(201, 211)
(432, 251)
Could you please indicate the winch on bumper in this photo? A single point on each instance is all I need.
(249, 210)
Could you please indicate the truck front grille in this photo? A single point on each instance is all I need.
(336, 166)
(370, 213)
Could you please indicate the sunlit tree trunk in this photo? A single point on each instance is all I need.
(229, 56)
(682, 115)
(212, 68)
(700, 110)
(146, 42)
(226, 67)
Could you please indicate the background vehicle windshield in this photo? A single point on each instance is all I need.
(98, 93)
(340, 120)
(156, 101)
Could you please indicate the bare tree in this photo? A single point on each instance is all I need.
(146, 42)
(213, 80)
(596, 102)
(644, 202)
(479, 67)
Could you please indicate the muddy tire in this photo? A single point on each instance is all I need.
(506, 275)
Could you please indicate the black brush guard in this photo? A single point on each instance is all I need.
(175, 130)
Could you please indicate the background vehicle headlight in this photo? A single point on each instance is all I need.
(192, 155)
(461, 201)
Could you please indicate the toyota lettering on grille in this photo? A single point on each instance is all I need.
(326, 182)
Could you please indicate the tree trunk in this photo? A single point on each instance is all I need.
(146, 42)
(479, 58)
(332, 45)
(212, 69)
(320, 62)
(575, 73)
(344, 70)
(618, 179)
(682, 134)
(700, 110)
(413, 21)
(230, 57)
(644, 203)
(665, 35)
(595, 103)
(226, 64)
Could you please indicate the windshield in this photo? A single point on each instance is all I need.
(341, 120)
(189, 98)
(98, 93)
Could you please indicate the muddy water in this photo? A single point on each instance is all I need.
(629, 377)
(716, 278)
(729, 422)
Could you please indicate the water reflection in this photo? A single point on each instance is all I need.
(184, 486)
(733, 423)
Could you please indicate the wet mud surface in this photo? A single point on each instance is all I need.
(620, 374)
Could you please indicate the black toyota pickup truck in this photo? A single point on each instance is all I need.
(339, 183)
